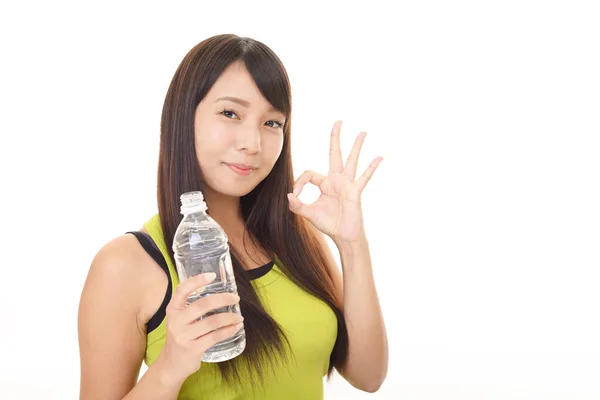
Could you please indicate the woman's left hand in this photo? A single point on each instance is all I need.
(337, 212)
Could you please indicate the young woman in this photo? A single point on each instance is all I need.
(225, 131)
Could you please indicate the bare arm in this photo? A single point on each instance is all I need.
(155, 385)
(112, 340)
(338, 214)
(367, 364)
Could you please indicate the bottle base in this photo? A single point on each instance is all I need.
(226, 350)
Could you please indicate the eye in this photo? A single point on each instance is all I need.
(227, 113)
(279, 124)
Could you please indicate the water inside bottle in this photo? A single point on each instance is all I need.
(232, 346)
(200, 246)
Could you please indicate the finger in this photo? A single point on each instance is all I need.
(205, 342)
(298, 207)
(208, 303)
(212, 323)
(335, 153)
(308, 176)
(352, 161)
(366, 176)
(185, 288)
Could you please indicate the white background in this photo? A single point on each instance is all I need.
(483, 218)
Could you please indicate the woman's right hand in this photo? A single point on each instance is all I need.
(187, 338)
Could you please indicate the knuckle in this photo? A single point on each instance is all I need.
(218, 335)
(225, 299)
(201, 306)
(214, 322)
(205, 304)
(228, 318)
(212, 302)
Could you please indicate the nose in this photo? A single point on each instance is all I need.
(249, 140)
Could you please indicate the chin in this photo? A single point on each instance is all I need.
(235, 191)
(232, 188)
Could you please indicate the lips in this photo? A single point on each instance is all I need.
(241, 169)
(241, 166)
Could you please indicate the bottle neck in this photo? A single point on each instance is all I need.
(193, 208)
(195, 215)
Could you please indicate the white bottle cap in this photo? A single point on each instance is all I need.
(192, 202)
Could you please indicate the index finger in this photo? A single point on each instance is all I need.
(335, 153)
(185, 288)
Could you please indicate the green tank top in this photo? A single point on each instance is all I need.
(310, 326)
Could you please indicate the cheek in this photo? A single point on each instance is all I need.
(218, 135)
(272, 148)
(211, 144)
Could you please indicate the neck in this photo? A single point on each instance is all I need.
(227, 212)
(224, 209)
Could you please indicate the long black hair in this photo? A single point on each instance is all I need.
(264, 210)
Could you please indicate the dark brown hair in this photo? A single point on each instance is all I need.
(265, 209)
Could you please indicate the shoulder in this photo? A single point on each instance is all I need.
(118, 258)
(113, 269)
(121, 249)
(122, 272)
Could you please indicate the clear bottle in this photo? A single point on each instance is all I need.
(200, 246)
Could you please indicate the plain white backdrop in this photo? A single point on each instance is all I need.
(483, 218)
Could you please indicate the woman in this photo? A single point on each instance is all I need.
(225, 131)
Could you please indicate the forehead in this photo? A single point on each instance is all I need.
(236, 81)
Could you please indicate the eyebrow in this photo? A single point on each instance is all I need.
(240, 102)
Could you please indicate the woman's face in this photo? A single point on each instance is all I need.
(239, 135)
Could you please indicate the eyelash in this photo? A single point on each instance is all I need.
(233, 112)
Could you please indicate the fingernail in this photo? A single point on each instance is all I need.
(211, 275)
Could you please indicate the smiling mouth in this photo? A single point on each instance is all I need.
(240, 170)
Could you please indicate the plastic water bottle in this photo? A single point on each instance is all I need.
(200, 246)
